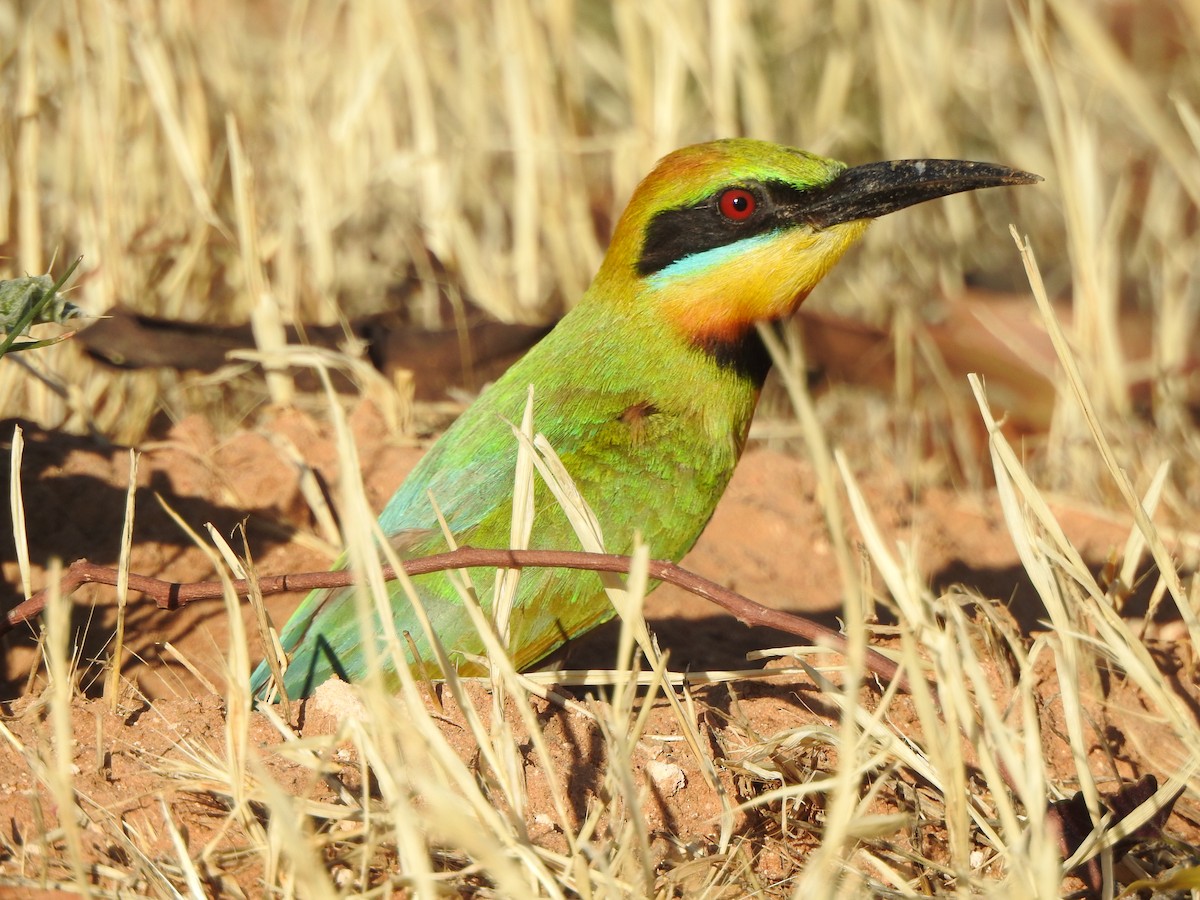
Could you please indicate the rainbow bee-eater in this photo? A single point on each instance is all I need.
(645, 389)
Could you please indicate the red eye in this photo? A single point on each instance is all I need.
(737, 204)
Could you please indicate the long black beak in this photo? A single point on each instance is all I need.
(876, 189)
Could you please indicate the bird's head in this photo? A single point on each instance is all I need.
(724, 234)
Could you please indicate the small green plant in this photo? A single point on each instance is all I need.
(34, 300)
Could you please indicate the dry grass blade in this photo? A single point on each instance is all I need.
(628, 605)
(791, 368)
(17, 508)
(112, 688)
(1116, 471)
(59, 767)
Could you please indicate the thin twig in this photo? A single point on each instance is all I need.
(173, 595)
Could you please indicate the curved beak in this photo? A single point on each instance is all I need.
(876, 189)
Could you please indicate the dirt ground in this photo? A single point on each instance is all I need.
(766, 541)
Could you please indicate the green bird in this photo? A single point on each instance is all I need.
(645, 390)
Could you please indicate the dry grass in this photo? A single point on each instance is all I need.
(223, 161)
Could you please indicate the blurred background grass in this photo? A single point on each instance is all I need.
(314, 162)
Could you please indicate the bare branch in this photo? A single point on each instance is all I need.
(172, 595)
